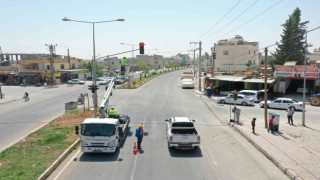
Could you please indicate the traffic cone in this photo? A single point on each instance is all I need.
(135, 148)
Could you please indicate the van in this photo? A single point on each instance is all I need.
(251, 93)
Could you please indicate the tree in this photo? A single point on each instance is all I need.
(88, 65)
(291, 46)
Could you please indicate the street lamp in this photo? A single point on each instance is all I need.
(95, 97)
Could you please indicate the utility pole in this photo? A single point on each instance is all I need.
(199, 64)
(52, 50)
(265, 88)
(304, 82)
(69, 60)
(213, 58)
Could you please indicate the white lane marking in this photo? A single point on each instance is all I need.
(65, 167)
(135, 156)
(214, 161)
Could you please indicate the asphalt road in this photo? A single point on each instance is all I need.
(223, 154)
(19, 118)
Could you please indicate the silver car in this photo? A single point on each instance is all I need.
(241, 99)
(283, 103)
(75, 81)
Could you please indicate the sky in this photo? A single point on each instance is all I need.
(166, 27)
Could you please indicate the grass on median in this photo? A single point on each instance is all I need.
(138, 83)
(29, 158)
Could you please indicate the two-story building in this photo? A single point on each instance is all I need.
(236, 54)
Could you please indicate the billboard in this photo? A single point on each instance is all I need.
(297, 71)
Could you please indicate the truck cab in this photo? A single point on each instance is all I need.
(99, 135)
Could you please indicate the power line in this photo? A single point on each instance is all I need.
(220, 19)
(250, 19)
(238, 16)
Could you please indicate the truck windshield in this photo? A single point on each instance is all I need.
(98, 129)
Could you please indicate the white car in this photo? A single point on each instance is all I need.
(283, 103)
(75, 81)
(187, 83)
(241, 99)
(102, 81)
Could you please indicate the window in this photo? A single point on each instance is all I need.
(277, 101)
(62, 66)
(225, 52)
(48, 67)
(73, 66)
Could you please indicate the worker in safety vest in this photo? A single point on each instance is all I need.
(139, 135)
(123, 63)
(112, 113)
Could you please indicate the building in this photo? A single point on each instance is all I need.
(34, 69)
(236, 55)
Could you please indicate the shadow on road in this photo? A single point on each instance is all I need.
(99, 157)
(193, 153)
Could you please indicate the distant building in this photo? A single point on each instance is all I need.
(236, 55)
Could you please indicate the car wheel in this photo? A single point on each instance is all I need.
(222, 102)
(244, 104)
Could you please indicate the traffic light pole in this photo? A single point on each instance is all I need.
(94, 77)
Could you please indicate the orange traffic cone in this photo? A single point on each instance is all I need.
(135, 148)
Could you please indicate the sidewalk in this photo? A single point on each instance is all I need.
(295, 159)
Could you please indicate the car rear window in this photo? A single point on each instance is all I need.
(183, 131)
(182, 124)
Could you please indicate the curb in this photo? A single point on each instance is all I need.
(57, 162)
(276, 162)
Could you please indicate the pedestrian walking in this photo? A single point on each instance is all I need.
(139, 135)
(271, 124)
(290, 115)
(253, 124)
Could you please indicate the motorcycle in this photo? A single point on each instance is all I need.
(80, 100)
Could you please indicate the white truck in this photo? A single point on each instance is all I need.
(99, 135)
(181, 133)
(103, 134)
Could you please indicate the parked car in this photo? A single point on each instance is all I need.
(102, 81)
(241, 99)
(283, 103)
(119, 81)
(75, 81)
(251, 93)
(187, 83)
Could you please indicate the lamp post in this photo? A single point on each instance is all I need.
(95, 97)
(304, 81)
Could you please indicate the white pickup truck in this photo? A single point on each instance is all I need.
(181, 133)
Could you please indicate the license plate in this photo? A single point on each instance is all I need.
(97, 150)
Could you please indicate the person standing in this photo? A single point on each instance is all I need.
(289, 115)
(253, 124)
(271, 124)
(26, 96)
(139, 135)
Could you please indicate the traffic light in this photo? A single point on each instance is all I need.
(141, 48)
(214, 55)
(93, 88)
(235, 95)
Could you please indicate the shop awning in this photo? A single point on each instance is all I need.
(258, 81)
(28, 74)
(229, 78)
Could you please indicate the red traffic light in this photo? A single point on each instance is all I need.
(141, 48)
(93, 88)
